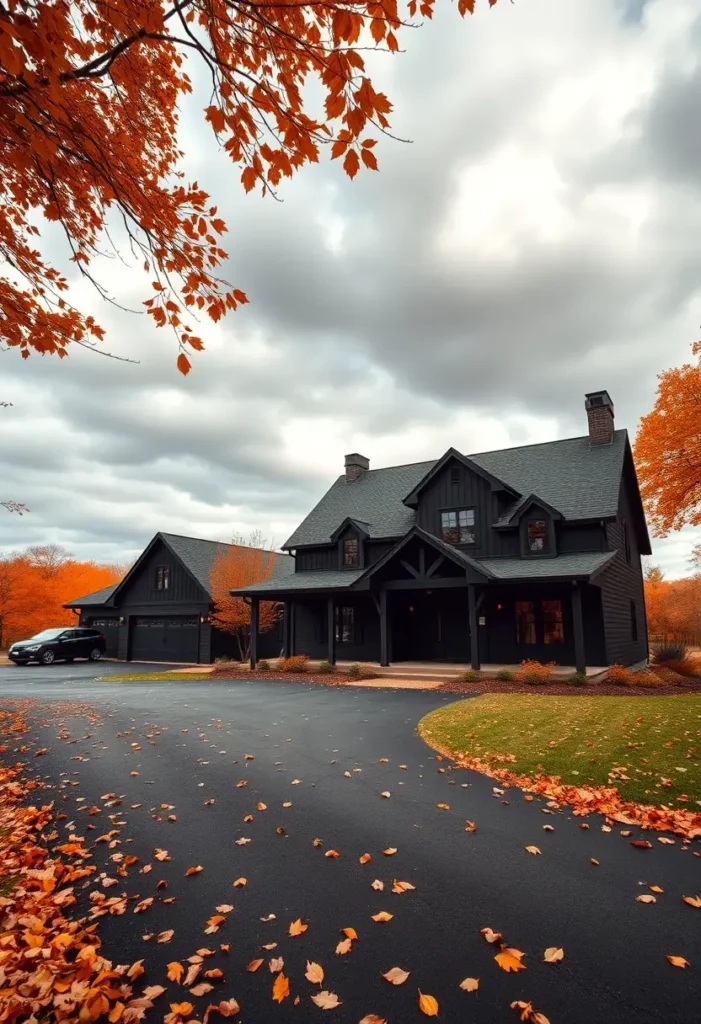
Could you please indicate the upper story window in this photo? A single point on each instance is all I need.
(626, 541)
(350, 552)
(458, 526)
(162, 577)
(537, 536)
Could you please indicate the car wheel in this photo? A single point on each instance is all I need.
(47, 657)
(95, 654)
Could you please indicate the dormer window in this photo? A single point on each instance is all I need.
(350, 552)
(458, 526)
(537, 536)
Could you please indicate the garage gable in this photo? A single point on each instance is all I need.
(159, 577)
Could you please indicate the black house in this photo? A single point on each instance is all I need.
(161, 610)
(530, 552)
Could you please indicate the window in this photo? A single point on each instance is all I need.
(345, 625)
(525, 622)
(350, 551)
(458, 526)
(162, 577)
(626, 541)
(633, 621)
(553, 630)
(537, 533)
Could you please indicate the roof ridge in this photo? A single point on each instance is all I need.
(225, 543)
(540, 444)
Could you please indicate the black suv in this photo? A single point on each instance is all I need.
(59, 644)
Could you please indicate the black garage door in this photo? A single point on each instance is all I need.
(110, 630)
(174, 638)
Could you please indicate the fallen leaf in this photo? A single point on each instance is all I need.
(470, 826)
(532, 849)
(154, 991)
(215, 974)
(287, 803)
(253, 966)
(192, 973)
(490, 935)
(552, 954)
(314, 973)
(326, 1000)
(239, 882)
(193, 871)
(228, 1007)
(548, 828)
(400, 887)
(384, 760)
(396, 976)
(443, 807)
(242, 841)
(343, 947)
(594, 861)
(350, 933)
(260, 806)
(202, 989)
(470, 984)
(382, 916)
(693, 901)
(332, 853)
(182, 1009)
(386, 794)
(276, 964)
(297, 927)
(270, 917)
(677, 961)
(316, 842)
(270, 945)
(225, 908)
(390, 851)
(281, 987)
(508, 962)
(295, 782)
(161, 854)
(364, 858)
(377, 884)
(642, 844)
(645, 898)
(372, 1018)
(666, 840)
(655, 888)
(428, 1005)
(175, 971)
(166, 936)
(241, 782)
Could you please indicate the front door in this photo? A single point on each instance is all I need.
(429, 625)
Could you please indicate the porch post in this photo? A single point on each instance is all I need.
(293, 628)
(384, 634)
(474, 635)
(254, 631)
(331, 631)
(285, 629)
(579, 658)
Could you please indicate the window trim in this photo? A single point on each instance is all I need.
(339, 625)
(350, 539)
(541, 516)
(559, 601)
(162, 576)
(534, 623)
(458, 509)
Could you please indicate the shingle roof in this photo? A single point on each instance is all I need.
(198, 556)
(317, 579)
(97, 597)
(581, 480)
(581, 563)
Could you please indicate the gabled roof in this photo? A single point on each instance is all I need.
(362, 528)
(97, 597)
(579, 565)
(452, 453)
(315, 579)
(579, 479)
(514, 513)
(460, 558)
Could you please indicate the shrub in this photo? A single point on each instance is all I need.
(577, 679)
(326, 666)
(295, 663)
(663, 653)
(504, 675)
(354, 671)
(263, 666)
(687, 667)
(663, 677)
(367, 673)
(535, 673)
(469, 676)
(618, 675)
(225, 659)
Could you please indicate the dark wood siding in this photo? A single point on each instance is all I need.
(580, 537)
(308, 559)
(310, 628)
(225, 645)
(141, 588)
(622, 583)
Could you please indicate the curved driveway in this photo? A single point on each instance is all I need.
(188, 742)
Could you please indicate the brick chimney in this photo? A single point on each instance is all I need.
(600, 415)
(356, 466)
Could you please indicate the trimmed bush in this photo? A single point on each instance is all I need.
(469, 676)
(658, 679)
(618, 675)
(535, 673)
(577, 679)
(295, 663)
(663, 653)
(504, 675)
(327, 667)
(263, 666)
(354, 671)
(226, 660)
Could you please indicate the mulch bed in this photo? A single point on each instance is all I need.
(556, 689)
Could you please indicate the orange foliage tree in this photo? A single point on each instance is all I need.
(35, 584)
(673, 607)
(89, 98)
(239, 564)
(668, 450)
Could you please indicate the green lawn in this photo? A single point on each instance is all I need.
(649, 747)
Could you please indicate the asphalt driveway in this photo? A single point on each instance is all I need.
(329, 753)
(62, 672)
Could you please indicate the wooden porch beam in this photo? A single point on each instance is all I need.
(331, 630)
(474, 635)
(430, 584)
(254, 632)
(580, 660)
(384, 631)
(409, 568)
(434, 565)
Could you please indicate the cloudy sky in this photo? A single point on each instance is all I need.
(538, 238)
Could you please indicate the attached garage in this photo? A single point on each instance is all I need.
(109, 627)
(165, 638)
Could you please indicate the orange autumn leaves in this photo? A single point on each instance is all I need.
(109, 80)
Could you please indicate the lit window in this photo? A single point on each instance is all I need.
(525, 622)
(458, 526)
(553, 629)
(162, 577)
(350, 551)
(345, 625)
(537, 536)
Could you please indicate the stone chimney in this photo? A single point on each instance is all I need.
(600, 415)
(356, 466)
